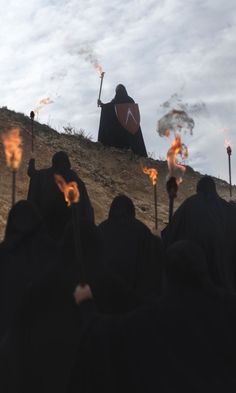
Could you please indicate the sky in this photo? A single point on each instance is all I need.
(167, 52)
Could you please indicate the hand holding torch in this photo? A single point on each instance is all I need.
(72, 196)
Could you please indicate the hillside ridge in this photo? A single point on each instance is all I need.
(105, 171)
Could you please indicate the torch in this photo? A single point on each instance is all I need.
(153, 174)
(72, 196)
(229, 152)
(172, 189)
(176, 169)
(13, 151)
(100, 89)
(32, 115)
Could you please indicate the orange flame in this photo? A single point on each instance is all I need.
(42, 104)
(99, 68)
(177, 148)
(12, 142)
(70, 190)
(228, 143)
(153, 174)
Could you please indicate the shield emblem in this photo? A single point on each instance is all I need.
(128, 116)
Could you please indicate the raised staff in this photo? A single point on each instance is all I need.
(13, 151)
(32, 116)
(153, 174)
(100, 89)
(72, 197)
(229, 152)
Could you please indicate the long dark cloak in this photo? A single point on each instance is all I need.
(25, 264)
(182, 343)
(42, 344)
(231, 233)
(21, 265)
(111, 132)
(111, 293)
(132, 253)
(206, 223)
(38, 350)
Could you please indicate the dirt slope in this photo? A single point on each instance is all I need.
(105, 171)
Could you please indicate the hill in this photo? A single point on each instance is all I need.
(105, 171)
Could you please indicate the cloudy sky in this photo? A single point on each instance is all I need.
(156, 48)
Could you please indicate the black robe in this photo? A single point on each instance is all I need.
(45, 194)
(183, 342)
(132, 253)
(42, 344)
(206, 222)
(111, 132)
(110, 291)
(23, 261)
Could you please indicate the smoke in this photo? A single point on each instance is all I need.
(176, 102)
(175, 121)
(58, 76)
(90, 57)
(179, 117)
(42, 103)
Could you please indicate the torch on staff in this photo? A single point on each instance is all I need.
(153, 174)
(32, 116)
(13, 151)
(100, 88)
(42, 103)
(229, 152)
(172, 189)
(72, 197)
(176, 169)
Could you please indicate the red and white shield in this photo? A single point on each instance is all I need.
(128, 116)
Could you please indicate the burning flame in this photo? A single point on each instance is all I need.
(42, 104)
(177, 149)
(153, 174)
(227, 143)
(99, 68)
(70, 190)
(12, 142)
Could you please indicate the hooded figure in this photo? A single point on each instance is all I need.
(204, 219)
(26, 256)
(47, 333)
(131, 252)
(184, 341)
(119, 123)
(44, 192)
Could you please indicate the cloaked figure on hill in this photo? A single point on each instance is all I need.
(205, 219)
(120, 123)
(44, 192)
(184, 341)
(131, 251)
